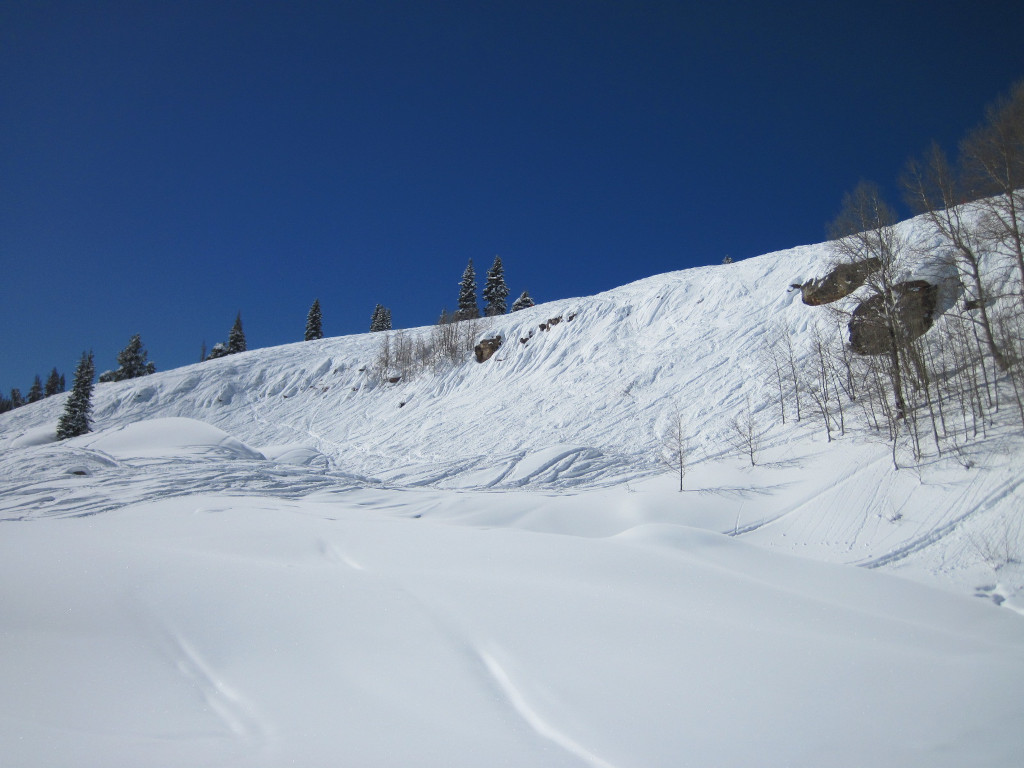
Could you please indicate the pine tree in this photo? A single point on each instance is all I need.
(16, 398)
(132, 361)
(381, 320)
(524, 301)
(219, 350)
(495, 290)
(5, 404)
(63, 386)
(53, 384)
(236, 339)
(35, 393)
(314, 322)
(467, 295)
(75, 421)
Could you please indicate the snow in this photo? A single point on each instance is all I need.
(272, 559)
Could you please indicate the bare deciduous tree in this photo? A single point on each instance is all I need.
(932, 188)
(865, 233)
(744, 432)
(992, 157)
(674, 444)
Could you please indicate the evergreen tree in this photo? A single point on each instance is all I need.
(5, 404)
(53, 385)
(35, 393)
(16, 398)
(202, 353)
(522, 302)
(467, 295)
(75, 421)
(236, 339)
(219, 350)
(132, 361)
(495, 290)
(381, 320)
(314, 322)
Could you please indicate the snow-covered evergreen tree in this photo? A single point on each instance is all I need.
(132, 361)
(522, 302)
(53, 385)
(17, 400)
(381, 320)
(236, 339)
(314, 322)
(468, 308)
(75, 421)
(495, 290)
(35, 392)
(219, 350)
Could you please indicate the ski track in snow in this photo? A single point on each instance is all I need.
(237, 714)
(1000, 493)
(534, 719)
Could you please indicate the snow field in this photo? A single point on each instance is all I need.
(213, 630)
(273, 558)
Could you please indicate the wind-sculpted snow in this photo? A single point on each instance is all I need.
(282, 558)
(215, 630)
(598, 382)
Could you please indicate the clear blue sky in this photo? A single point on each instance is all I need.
(165, 165)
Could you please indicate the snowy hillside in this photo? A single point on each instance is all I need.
(302, 555)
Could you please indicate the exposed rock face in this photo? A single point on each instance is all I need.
(870, 333)
(486, 349)
(840, 282)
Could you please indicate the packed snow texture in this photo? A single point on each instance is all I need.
(281, 557)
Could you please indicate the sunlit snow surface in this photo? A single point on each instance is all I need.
(269, 560)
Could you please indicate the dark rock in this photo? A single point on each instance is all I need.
(870, 332)
(486, 349)
(840, 282)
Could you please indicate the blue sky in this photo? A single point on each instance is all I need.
(166, 165)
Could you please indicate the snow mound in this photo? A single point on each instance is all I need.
(35, 436)
(174, 436)
(295, 454)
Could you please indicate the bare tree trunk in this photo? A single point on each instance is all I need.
(932, 189)
(674, 443)
(993, 160)
(864, 234)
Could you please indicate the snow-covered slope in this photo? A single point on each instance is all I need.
(583, 397)
(283, 557)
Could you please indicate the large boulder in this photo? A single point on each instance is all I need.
(486, 349)
(843, 280)
(870, 332)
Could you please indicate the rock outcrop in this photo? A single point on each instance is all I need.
(486, 349)
(840, 282)
(870, 331)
